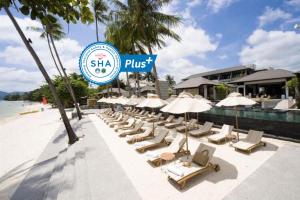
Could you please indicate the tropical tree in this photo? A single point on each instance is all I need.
(170, 80)
(53, 31)
(144, 19)
(100, 14)
(70, 11)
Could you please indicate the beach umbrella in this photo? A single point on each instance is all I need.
(134, 100)
(152, 101)
(235, 99)
(186, 103)
(202, 98)
(171, 98)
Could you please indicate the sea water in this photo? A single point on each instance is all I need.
(12, 108)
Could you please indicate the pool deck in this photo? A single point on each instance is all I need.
(103, 166)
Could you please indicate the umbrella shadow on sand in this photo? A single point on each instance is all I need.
(227, 171)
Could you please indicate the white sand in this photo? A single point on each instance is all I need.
(23, 139)
(151, 183)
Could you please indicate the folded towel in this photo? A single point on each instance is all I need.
(152, 154)
(175, 170)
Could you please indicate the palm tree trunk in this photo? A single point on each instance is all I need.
(128, 84)
(52, 55)
(66, 80)
(96, 23)
(119, 89)
(157, 87)
(72, 136)
(138, 84)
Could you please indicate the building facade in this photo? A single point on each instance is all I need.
(245, 79)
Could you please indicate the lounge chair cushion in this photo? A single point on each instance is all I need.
(201, 158)
(242, 145)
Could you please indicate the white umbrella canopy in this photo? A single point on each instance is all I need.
(202, 98)
(121, 100)
(152, 101)
(134, 100)
(171, 98)
(185, 103)
(235, 99)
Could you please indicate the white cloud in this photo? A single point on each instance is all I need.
(271, 15)
(295, 3)
(223, 57)
(274, 48)
(16, 56)
(176, 58)
(217, 5)
(13, 79)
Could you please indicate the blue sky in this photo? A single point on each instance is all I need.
(215, 34)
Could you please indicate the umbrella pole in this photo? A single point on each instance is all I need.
(186, 135)
(236, 122)
(153, 125)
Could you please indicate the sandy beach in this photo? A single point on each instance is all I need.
(23, 139)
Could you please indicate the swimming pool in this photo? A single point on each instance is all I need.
(289, 116)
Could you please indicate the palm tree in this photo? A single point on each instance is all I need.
(53, 31)
(170, 80)
(143, 18)
(71, 135)
(100, 8)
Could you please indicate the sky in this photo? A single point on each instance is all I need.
(214, 34)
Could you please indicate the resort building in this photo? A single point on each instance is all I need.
(245, 79)
(271, 83)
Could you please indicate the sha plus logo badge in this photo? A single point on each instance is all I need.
(100, 63)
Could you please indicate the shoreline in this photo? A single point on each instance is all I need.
(29, 107)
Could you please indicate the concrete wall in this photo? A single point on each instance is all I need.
(164, 89)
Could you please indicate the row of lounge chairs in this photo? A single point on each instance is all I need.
(146, 139)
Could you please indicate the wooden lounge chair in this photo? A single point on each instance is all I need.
(154, 118)
(203, 130)
(192, 124)
(149, 116)
(222, 135)
(135, 130)
(178, 122)
(147, 134)
(176, 147)
(142, 115)
(168, 120)
(138, 113)
(157, 141)
(112, 117)
(129, 125)
(123, 121)
(179, 173)
(119, 118)
(252, 141)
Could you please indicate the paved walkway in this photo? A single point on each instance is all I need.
(278, 178)
(85, 170)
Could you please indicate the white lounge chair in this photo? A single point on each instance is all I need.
(222, 135)
(252, 141)
(178, 122)
(180, 173)
(176, 147)
(203, 130)
(157, 141)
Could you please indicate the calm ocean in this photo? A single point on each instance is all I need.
(11, 108)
